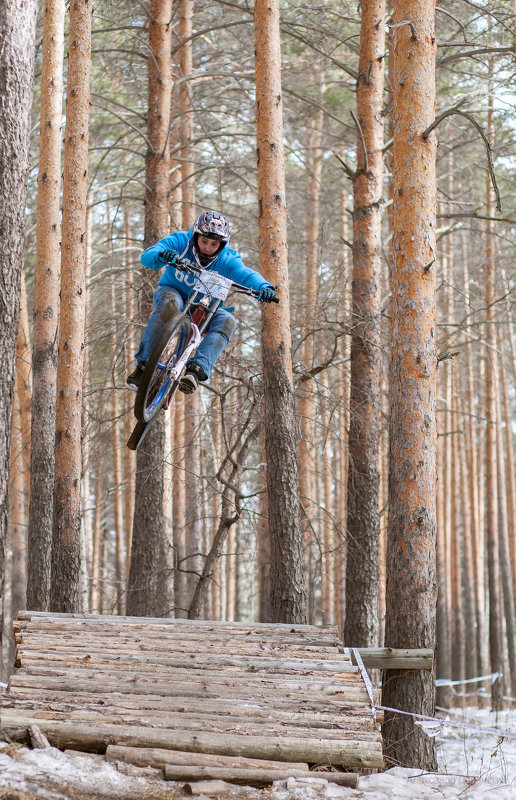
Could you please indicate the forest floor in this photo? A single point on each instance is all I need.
(474, 765)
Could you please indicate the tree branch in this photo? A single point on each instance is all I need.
(471, 118)
(365, 168)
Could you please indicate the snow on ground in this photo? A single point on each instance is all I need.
(474, 765)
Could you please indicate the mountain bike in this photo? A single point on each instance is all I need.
(178, 343)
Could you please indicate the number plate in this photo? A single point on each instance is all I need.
(217, 286)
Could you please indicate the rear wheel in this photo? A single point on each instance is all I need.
(156, 383)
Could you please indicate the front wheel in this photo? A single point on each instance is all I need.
(156, 383)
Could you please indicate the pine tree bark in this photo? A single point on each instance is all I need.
(411, 583)
(17, 32)
(118, 505)
(491, 483)
(288, 597)
(46, 310)
(64, 589)
(476, 533)
(363, 522)
(148, 519)
(24, 382)
(18, 514)
(503, 533)
(306, 394)
(129, 455)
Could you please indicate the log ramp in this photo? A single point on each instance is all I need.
(242, 703)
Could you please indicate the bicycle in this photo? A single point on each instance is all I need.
(178, 343)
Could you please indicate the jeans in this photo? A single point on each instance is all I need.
(220, 331)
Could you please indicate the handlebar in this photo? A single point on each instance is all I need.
(236, 287)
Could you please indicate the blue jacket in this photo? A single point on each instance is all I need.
(228, 263)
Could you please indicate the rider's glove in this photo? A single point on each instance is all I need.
(167, 256)
(267, 294)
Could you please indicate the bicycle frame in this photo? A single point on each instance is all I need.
(201, 306)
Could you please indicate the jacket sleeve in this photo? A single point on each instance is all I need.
(176, 242)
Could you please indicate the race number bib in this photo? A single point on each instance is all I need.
(217, 286)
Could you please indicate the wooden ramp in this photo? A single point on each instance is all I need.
(190, 695)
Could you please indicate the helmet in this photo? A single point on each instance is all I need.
(213, 225)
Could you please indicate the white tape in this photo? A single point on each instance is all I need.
(505, 734)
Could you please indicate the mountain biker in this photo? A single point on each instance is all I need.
(205, 245)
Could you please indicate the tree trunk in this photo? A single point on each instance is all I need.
(119, 593)
(18, 514)
(475, 531)
(412, 489)
(288, 597)
(493, 560)
(363, 522)
(17, 31)
(24, 382)
(503, 534)
(46, 310)
(306, 394)
(64, 590)
(179, 509)
(148, 520)
(129, 455)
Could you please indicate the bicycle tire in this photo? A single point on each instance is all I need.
(156, 383)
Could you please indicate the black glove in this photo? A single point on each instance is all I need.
(167, 256)
(267, 294)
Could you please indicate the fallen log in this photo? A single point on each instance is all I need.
(213, 727)
(80, 736)
(156, 757)
(253, 777)
(209, 788)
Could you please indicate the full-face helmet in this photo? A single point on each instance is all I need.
(214, 226)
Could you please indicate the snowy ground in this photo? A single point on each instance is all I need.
(474, 764)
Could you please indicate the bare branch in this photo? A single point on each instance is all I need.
(456, 110)
(351, 173)
(365, 168)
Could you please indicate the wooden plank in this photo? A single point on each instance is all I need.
(346, 753)
(396, 658)
(253, 777)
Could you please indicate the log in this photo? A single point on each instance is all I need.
(156, 757)
(213, 726)
(281, 628)
(354, 715)
(206, 788)
(253, 777)
(37, 739)
(161, 685)
(392, 658)
(80, 736)
(215, 663)
(154, 637)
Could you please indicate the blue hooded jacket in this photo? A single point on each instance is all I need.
(228, 263)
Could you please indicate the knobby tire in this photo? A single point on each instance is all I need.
(155, 385)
